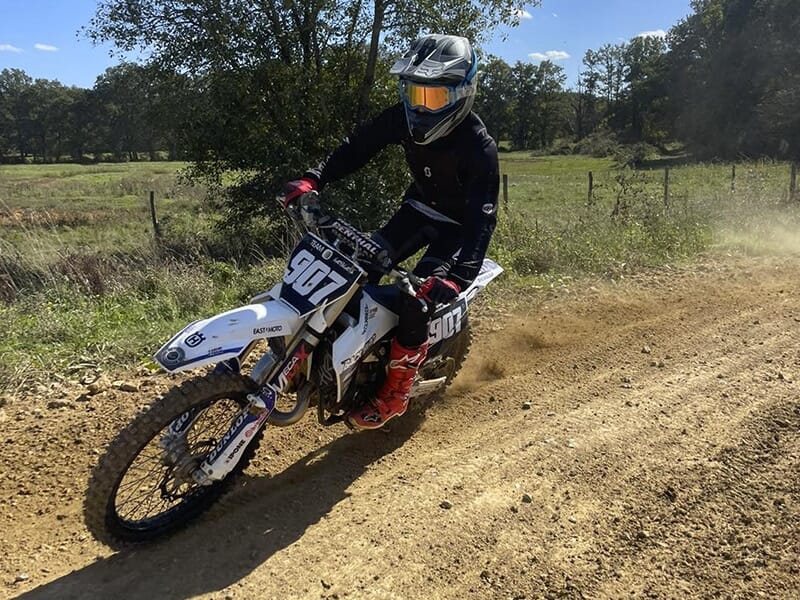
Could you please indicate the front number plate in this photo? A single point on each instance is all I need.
(317, 274)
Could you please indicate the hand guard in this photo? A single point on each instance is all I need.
(437, 290)
(294, 189)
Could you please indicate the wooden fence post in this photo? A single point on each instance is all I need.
(156, 229)
(666, 187)
(591, 189)
(793, 182)
(505, 191)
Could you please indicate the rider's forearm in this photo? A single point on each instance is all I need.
(357, 149)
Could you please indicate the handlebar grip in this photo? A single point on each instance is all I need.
(415, 281)
(306, 209)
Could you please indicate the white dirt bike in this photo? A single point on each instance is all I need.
(324, 336)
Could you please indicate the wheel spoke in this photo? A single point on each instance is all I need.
(149, 487)
(133, 485)
(135, 509)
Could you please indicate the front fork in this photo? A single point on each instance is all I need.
(226, 454)
(229, 449)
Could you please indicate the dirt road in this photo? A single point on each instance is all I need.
(630, 439)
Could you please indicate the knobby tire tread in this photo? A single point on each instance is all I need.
(464, 344)
(99, 510)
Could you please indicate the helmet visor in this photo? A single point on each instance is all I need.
(429, 97)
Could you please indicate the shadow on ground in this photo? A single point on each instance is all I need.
(259, 518)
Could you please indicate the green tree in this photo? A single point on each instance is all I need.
(15, 113)
(733, 77)
(777, 111)
(49, 104)
(279, 83)
(495, 97)
(551, 103)
(605, 74)
(646, 82)
(122, 93)
(539, 106)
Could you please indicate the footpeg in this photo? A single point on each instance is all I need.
(428, 386)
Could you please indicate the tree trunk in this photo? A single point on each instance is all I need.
(579, 108)
(372, 60)
(349, 45)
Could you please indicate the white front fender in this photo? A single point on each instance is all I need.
(226, 335)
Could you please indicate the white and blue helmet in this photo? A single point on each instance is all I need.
(438, 81)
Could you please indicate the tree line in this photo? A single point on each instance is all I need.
(621, 96)
(723, 82)
(131, 111)
(266, 87)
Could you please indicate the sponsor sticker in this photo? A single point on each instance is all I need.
(267, 329)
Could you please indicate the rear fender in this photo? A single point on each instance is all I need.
(489, 270)
(226, 335)
(448, 320)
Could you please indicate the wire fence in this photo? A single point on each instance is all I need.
(755, 182)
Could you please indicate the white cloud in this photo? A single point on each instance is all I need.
(9, 48)
(523, 14)
(45, 47)
(555, 15)
(659, 33)
(549, 55)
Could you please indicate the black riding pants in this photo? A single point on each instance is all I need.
(406, 233)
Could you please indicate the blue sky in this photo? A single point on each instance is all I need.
(41, 36)
(563, 30)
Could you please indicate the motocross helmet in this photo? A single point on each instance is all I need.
(437, 84)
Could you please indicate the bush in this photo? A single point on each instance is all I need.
(601, 239)
(600, 144)
(563, 147)
(635, 155)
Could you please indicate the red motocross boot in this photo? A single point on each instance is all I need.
(392, 398)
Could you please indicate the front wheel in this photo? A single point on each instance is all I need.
(139, 491)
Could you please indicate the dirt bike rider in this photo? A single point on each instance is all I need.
(450, 207)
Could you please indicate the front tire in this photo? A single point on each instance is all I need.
(135, 494)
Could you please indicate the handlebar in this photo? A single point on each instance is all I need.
(308, 215)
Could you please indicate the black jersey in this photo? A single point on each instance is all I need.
(456, 178)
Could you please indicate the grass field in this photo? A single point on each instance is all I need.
(45, 209)
(82, 281)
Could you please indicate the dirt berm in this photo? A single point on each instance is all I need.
(637, 438)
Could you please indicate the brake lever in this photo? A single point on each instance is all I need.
(406, 281)
(310, 210)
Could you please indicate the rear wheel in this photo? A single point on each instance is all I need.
(459, 351)
(139, 491)
(449, 362)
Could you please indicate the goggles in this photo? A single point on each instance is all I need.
(431, 98)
